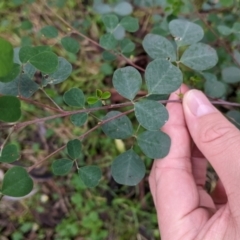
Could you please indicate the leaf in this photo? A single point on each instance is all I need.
(49, 32)
(151, 114)
(29, 69)
(212, 87)
(158, 47)
(110, 21)
(126, 45)
(21, 86)
(123, 8)
(118, 128)
(26, 52)
(224, 30)
(74, 97)
(62, 72)
(17, 182)
(199, 57)
(154, 144)
(9, 154)
(185, 32)
(119, 33)
(12, 75)
(26, 25)
(162, 77)
(106, 95)
(127, 81)
(90, 175)
(108, 41)
(6, 57)
(236, 27)
(10, 109)
(102, 8)
(92, 100)
(236, 55)
(99, 93)
(130, 24)
(107, 56)
(70, 44)
(46, 62)
(234, 117)
(128, 168)
(79, 119)
(74, 148)
(231, 74)
(62, 166)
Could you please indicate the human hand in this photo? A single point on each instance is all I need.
(199, 132)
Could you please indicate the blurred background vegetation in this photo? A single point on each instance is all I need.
(62, 207)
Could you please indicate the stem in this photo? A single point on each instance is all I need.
(5, 141)
(80, 138)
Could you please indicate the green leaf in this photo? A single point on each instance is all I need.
(107, 56)
(74, 97)
(224, 30)
(123, 8)
(46, 62)
(62, 72)
(26, 53)
(9, 154)
(21, 86)
(119, 33)
(212, 87)
(99, 93)
(234, 117)
(29, 69)
(110, 21)
(26, 25)
(199, 57)
(108, 41)
(130, 24)
(154, 144)
(127, 81)
(185, 32)
(10, 109)
(158, 47)
(12, 75)
(236, 27)
(102, 8)
(74, 148)
(79, 119)
(128, 168)
(70, 44)
(126, 45)
(6, 57)
(90, 175)
(162, 77)
(49, 32)
(236, 55)
(106, 95)
(92, 100)
(62, 166)
(151, 114)
(231, 74)
(17, 182)
(118, 128)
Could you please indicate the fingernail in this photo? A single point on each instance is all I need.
(198, 103)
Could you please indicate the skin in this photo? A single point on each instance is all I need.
(198, 132)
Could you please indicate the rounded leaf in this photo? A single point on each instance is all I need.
(185, 32)
(234, 117)
(231, 74)
(49, 32)
(130, 24)
(17, 182)
(106, 95)
(162, 77)
(123, 8)
(46, 62)
(74, 97)
(90, 175)
(9, 154)
(62, 72)
(224, 30)
(6, 57)
(74, 148)
(62, 166)
(199, 57)
(127, 81)
(119, 33)
(126, 45)
(118, 128)
(70, 44)
(151, 114)
(107, 56)
(158, 47)
(12, 75)
(108, 41)
(79, 119)
(128, 168)
(9, 109)
(154, 144)
(92, 100)
(110, 21)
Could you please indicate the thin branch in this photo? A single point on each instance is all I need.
(80, 138)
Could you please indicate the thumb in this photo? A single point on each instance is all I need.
(216, 138)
